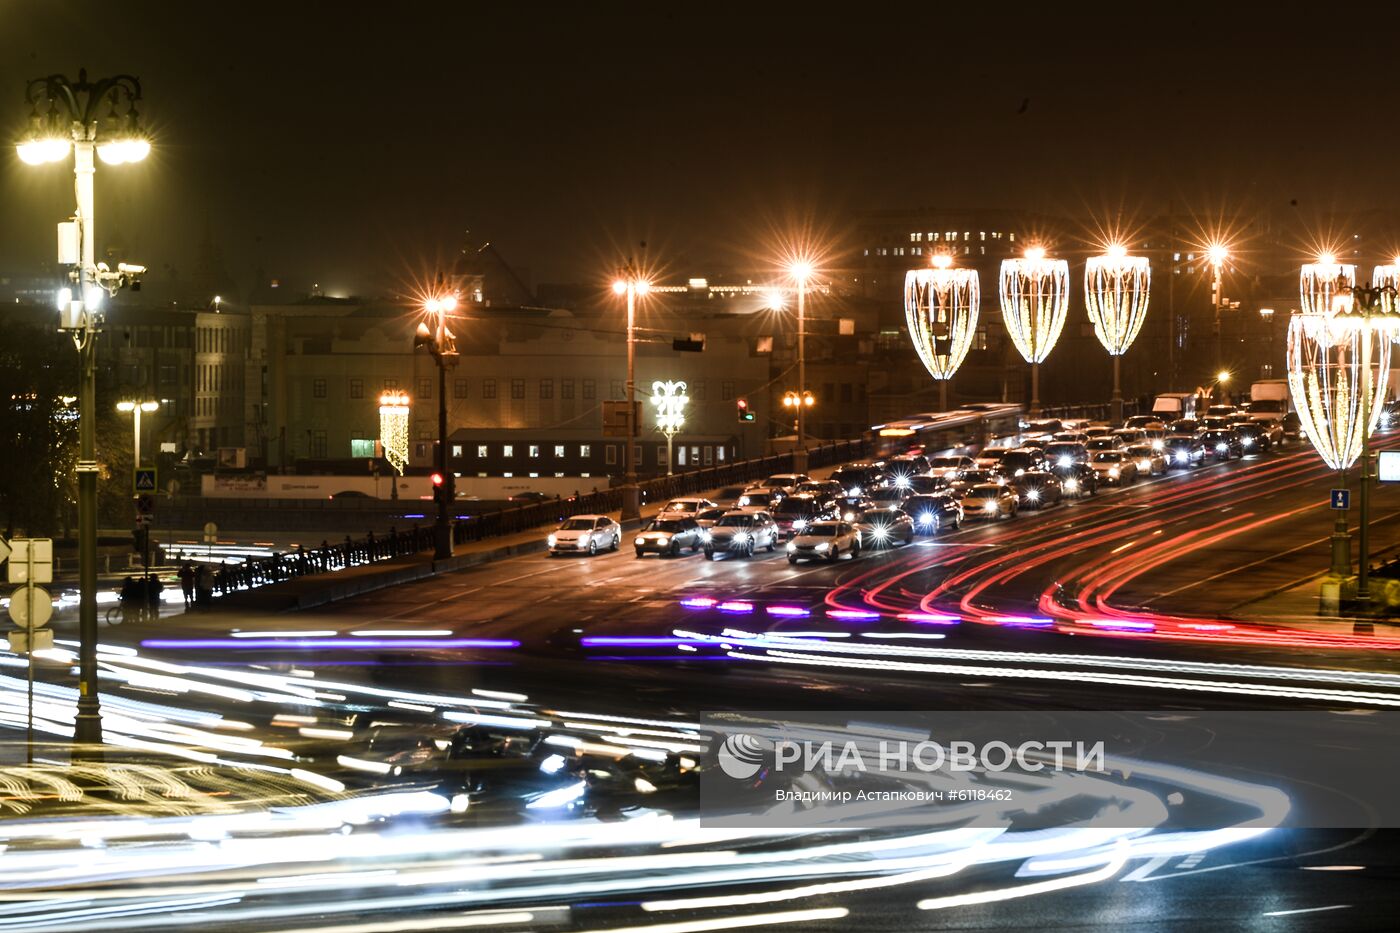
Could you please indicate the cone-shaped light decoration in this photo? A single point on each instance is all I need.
(1116, 288)
(1333, 359)
(393, 429)
(941, 306)
(1321, 282)
(1034, 300)
(1387, 278)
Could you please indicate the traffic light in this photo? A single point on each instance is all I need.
(139, 537)
(440, 490)
(745, 415)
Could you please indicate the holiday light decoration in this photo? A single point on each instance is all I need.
(1387, 278)
(669, 399)
(1338, 370)
(1034, 301)
(393, 429)
(1116, 288)
(941, 306)
(1322, 283)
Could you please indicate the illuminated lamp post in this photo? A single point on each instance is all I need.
(669, 399)
(940, 307)
(631, 283)
(1217, 254)
(1267, 316)
(64, 117)
(798, 403)
(1338, 369)
(1116, 290)
(393, 434)
(801, 271)
(433, 333)
(1034, 300)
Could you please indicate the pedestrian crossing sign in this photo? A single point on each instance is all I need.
(143, 480)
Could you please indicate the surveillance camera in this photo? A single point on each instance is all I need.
(128, 268)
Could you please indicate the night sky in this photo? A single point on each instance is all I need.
(355, 148)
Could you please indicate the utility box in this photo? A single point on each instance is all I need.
(70, 245)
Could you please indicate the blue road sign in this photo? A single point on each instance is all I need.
(143, 480)
(1341, 499)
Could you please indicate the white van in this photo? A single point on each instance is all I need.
(1172, 406)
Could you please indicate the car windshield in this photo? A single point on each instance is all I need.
(977, 476)
(1102, 443)
(669, 526)
(1018, 460)
(1268, 406)
(1055, 451)
(756, 498)
(1142, 450)
(1180, 441)
(927, 483)
(736, 521)
(577, 524)
(679, 506)
(944, 463)
(914, 503)
(711, 514)
(984, 492)
(796, 507)
(822, 529)
(994, 453)
(1109, 456)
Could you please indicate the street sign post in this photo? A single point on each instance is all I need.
(211, 536)
(1341, 499)
(30, 561)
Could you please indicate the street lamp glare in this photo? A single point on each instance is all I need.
(1035, 253)
(449, 303)
(126, 406)
(149, 406)
(942, 261)
(1223, 376)
(800, 269)
(619, 287)
(643, 286)
(1217, 253)
(1116, 251)
(1327, 259)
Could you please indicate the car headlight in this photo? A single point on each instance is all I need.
(705, 535)
(742, 537)
(823, 546)
(1113, 471)
(1182, 456)
(850, 516)
(879, 532)
(1066, 461)
(1072, 484)
(901, 481)
(1144, 464)
(991, 506)
(663, 539)
(1248, 442)
(640, 541)
(799, 524)
(1020, 472)
(853, 491)
(925, 518)
(583, 540)
(1033, 495)
(1157, 445)
(792, 546)
(550, 540)
(1221, 447)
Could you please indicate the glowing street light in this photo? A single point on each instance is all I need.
(669, 400)
(1322, 285)
(64, 117)
(941, 305)
(135, 409)
(432, 332)
(801, 271)
(1338, 373)
(631, 283)
(1034, 301)
(1116, 290)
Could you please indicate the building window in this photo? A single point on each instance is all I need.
(636, 454)
(590, 388)
(709, 455)
(566, 388)
(546, 388)
(459, 388)
(845, 392)
(362, 447)
(481, 451)
(534, 451)
(615, 389)
(388, 384)
(719, 453)
(585, 450)
(457, 450)
(558, 450)
(517, 388)
(488, 388)
(425, 388)
(680, 455)
(507, 450)
(318, 388)
(611, 452)
(357, 388)
(698, 390)
(726, 390)
(318, 443)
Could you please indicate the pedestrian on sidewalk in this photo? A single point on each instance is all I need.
(204, 587)
(187, 584)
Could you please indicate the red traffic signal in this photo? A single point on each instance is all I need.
(437, 480)
(742, 407)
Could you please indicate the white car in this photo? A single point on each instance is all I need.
(741, 532)
(787, 483)
(684, 508)
(760, 499)
(585, 534)
(824, 541)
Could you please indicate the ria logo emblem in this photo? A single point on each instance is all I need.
(741, 755)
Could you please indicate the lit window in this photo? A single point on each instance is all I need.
(1011, 237)
(558, 450)
(481, 451)
(456, 450)
(507, 475)
(585, 450)
(508, 450)
(719, 453)
(984, 234)
(534, 474)
(535, 451)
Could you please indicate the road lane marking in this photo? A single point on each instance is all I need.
(1305, 910)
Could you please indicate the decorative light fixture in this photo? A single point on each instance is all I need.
(393, 429)
(941, 305)
(1322, 283)
(669, 399)
(1034, 300)
(1116, 290)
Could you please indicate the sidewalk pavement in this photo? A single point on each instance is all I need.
(1300, 606)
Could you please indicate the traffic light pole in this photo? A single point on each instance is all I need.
(447, 494)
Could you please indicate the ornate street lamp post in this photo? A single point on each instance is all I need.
(631, 283)
(1034, 301)
(434, 334)
(669, 399)
(1116, 290)
(64, 117)
(940, 307)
